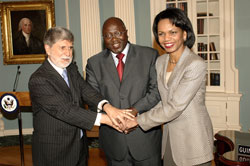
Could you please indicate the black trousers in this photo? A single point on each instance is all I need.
(154, 160)
(84, 152)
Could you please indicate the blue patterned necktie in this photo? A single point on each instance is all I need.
(65, 76)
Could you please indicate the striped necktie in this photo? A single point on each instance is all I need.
(65, 76)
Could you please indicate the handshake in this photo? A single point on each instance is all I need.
(123, 120)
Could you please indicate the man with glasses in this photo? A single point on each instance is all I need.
(124, 73)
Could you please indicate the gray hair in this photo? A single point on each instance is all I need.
(55, 34)
(21, 23)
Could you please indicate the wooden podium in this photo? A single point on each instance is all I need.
(24, 101)
(23, 98)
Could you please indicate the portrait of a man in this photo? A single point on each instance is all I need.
(27, 38)
(23, 25)
(25, 42)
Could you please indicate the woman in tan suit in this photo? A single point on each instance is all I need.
(181, 75)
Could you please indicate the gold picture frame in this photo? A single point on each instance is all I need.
(40, 15)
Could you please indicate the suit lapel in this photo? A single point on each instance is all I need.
(180, 66)
(130, 62)
(110, 66)
(162, 69)
(55, 76)
(72, 76)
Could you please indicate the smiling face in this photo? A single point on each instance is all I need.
(171, 38)
(60, 53)
(115, 35)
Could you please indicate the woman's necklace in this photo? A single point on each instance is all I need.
(172, 61)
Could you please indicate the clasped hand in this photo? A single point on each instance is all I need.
(123, 120)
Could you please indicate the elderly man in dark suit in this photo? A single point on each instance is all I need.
(57, 92)
(128, 81)
(25, 42)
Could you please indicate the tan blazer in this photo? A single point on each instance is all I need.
(182, 110)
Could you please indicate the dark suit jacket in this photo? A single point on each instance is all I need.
(20, 46)
(138, 89)
(58, 115)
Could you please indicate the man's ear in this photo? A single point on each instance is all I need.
(47, 49)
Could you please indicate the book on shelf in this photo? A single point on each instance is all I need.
(200, 21)
(204, 56)
(183, 7)
(200, 26)
(206, 79)
(213, 56)
(215, 79)
(202, 48)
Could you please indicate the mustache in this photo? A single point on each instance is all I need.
(67, 58)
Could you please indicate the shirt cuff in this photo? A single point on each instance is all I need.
(98, 119)
(100, 105)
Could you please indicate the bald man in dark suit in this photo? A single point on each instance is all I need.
(136, 89)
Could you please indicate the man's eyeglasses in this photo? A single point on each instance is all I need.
(116, 34)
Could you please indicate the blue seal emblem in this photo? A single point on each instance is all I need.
(9, 103)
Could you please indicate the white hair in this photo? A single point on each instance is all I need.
(21, 23)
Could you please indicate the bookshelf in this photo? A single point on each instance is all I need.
(213, 23)
(209, 35)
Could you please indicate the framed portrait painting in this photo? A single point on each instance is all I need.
(23, 25)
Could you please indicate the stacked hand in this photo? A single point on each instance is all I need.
(123, 120)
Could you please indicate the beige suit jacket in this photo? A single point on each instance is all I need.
(182, 110)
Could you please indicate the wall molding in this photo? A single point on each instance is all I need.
(155, 8)
(67, 13)
(27, 131)
(125, 11)
(90, 29)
